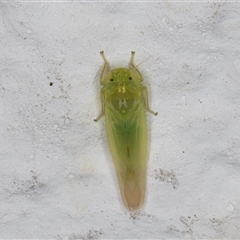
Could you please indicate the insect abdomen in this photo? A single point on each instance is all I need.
(128, 146)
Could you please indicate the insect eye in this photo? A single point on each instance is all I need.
(130, 78)
(111, 79)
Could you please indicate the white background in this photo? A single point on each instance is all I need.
(57, 178)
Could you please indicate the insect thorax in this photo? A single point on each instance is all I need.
(123, 98)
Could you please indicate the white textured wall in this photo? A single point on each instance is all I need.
(56, 177)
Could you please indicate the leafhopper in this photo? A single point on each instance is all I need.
(124, 100)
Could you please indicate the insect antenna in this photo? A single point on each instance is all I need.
(143, 61)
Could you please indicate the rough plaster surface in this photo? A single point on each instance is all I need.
(57, 179)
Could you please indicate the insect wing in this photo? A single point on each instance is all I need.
(127, 140)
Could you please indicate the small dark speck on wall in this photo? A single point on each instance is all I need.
(51, 83)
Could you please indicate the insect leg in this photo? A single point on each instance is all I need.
(103, 108)
(145, 100)
(131, 63)
(105, 67)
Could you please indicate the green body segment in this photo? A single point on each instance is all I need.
(127, 137)
(124, 101)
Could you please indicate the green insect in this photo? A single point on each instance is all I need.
(124, 101)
